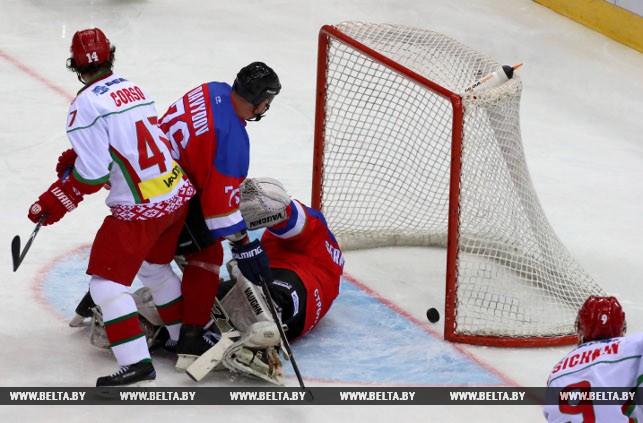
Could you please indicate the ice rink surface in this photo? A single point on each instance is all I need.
(582, 126)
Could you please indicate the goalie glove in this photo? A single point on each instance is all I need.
(263, 202)
(252, 260)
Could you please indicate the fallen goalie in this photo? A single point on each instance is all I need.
(306, 265)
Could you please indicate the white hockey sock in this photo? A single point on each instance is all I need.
(165, 287)
(115, 303)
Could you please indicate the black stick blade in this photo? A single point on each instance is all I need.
(15, 252)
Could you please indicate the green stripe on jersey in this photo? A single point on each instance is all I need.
(108, 114)
(128, 178)
(98, 181)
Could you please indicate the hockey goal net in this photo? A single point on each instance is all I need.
(403, 157)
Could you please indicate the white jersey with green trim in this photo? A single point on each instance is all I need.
(608, 363)
(112, 126)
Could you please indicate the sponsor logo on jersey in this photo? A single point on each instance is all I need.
(162, 184)
(116, 81)
(99, 89)
(170, 181)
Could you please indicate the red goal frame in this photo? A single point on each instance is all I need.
(329, 32)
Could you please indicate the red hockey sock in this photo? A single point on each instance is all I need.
(200, 284)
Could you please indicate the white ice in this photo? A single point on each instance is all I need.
(581, 120)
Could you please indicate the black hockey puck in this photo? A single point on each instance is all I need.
(433, 315)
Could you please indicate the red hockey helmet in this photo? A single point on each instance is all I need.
(600, 318)
(90, 47)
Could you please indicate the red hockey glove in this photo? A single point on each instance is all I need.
(55, 202)
(65, 161)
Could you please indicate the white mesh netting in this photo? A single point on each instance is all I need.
(386, 170)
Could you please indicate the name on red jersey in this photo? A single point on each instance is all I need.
(335, 254)
(198, 114)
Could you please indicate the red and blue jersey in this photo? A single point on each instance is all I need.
(211, 144)
(304, 244)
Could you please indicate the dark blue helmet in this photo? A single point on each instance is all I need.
(257, 82)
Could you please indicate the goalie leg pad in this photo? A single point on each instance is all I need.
(261, 363)
(211, 359)
(248, 309)
(146, 307)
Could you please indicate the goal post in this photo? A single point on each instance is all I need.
(404, 157)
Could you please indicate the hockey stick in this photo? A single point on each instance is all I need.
(275, 317)
(18, 256)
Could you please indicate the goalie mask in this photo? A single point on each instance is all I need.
(263, 202)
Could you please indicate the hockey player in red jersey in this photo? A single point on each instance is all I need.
(305, 259)
(112, 127)
(604, 358)
(206, 128)
(306, 264)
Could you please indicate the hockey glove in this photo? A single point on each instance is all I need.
(55, 202)
(253, 262)
(66, 162)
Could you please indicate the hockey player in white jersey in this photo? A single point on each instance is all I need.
(604, 358)
(112, 127)
(307, 274)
